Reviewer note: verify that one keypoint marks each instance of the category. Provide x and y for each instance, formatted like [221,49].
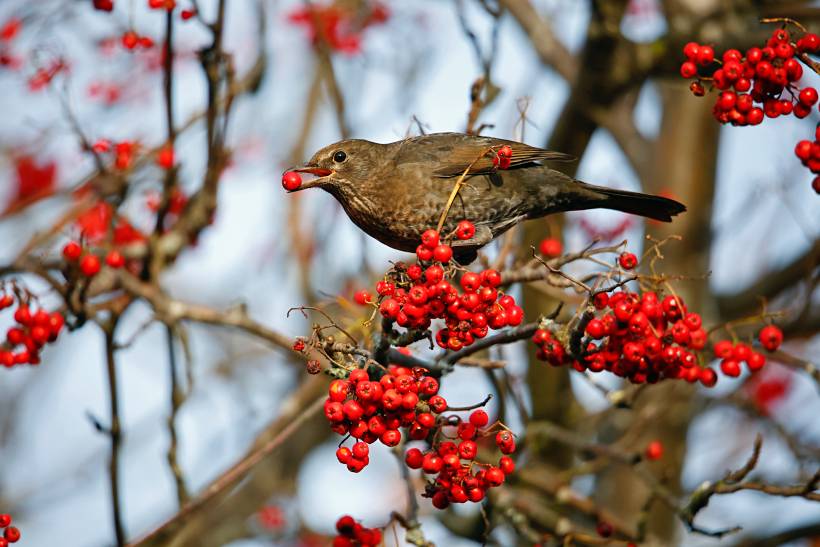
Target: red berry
[443,253]
[505,151]
[291,180]
[363,297]
[808,96]
[479,418]
[430,239]
[707,377]
[165,158]
[705,55]
[104,5]
[12,534]
[343,454]
[90,265]
[413,458]
[809,43]
[754,55]
[755,116]
[627,260]
[727,100]
[771,337]
[187,14]
[391,437]
[691,50]
[730,367]
[697,89]
[432,464]
[114,259]
[72,251]
[494,476]
[360,450]
[604,529]
[130,39]
[551,247]
[506,464]
[688,70]
[596,329]
[654,450]
[465,230]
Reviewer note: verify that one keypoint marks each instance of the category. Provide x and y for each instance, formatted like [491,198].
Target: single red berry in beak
[291,181]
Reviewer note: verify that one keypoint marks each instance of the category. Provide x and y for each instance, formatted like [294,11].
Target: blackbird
[396,191]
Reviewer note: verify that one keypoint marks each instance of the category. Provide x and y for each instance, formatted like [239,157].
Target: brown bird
[396,191]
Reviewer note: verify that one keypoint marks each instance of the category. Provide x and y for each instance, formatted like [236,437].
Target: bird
[394,192]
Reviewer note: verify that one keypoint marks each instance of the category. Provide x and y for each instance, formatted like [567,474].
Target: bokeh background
[627,115]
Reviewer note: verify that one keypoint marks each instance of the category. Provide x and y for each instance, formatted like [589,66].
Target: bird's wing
[478,153]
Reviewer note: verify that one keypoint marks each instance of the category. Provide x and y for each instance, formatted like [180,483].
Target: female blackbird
[396,191]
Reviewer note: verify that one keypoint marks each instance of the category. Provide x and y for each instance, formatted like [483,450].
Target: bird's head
[342,165]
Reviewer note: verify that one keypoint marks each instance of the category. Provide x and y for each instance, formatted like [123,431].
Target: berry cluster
[11,534]
[99,220]
[809,154]
[414,295]
[130,40]
[89,263]
[641,337]
[338,26]
[32,331]
[460,478]
[733,354]
[370,410]
[646,339]
[766,77]
[503,157]
[43,75]
[123,151]
[353,534]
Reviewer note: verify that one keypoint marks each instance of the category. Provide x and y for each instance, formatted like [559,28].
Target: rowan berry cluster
[30,333]
[646,339]
[370,410]
[131,40]
[123,152]
[89,263]
[11,534]
[459,477]
[809,154]
[338,26]
[765,76]
[353,534]
[414,295]
[733,354]
[641,337]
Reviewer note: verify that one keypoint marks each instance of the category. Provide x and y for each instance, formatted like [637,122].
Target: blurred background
[598,80]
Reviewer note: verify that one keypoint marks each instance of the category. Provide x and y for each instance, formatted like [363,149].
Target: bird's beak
[311,169]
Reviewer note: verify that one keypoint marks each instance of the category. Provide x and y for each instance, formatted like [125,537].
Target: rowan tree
[195,356]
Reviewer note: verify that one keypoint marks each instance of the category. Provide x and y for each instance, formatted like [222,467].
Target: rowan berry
[291,180]
[551,247]
[654,450]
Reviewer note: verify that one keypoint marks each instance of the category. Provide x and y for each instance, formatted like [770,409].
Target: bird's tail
[636,203]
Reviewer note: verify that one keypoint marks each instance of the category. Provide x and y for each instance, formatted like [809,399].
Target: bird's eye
[339,156]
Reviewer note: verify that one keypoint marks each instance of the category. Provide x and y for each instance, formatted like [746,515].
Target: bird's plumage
[396,191]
